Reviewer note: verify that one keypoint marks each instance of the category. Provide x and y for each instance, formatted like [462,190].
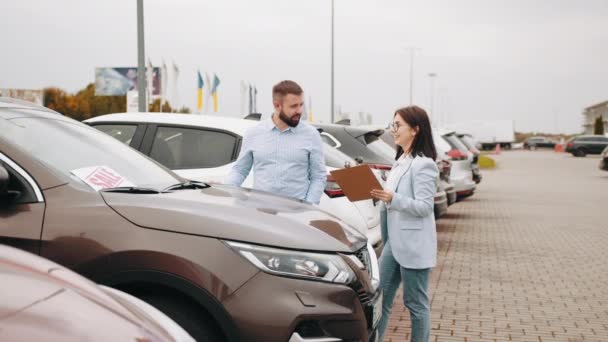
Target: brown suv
[227,264]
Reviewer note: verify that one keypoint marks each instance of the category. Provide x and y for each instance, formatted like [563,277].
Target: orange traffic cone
[559,148]
[497,150]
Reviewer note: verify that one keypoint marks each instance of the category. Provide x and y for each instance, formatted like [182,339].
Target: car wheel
[579,152]
[200,325]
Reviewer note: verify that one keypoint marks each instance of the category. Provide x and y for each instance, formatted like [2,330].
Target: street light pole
[412,50]
[141,59]
[333,108]
[432,76]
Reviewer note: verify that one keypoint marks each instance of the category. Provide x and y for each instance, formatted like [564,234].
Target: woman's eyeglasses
[395,126]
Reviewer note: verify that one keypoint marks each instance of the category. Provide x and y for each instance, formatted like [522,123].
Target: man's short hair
[283,88]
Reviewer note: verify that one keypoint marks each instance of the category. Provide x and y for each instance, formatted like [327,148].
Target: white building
[591,114]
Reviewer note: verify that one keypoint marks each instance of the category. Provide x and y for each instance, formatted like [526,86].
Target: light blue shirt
[288,163]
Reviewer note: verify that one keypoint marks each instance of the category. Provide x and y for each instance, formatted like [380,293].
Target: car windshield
[66,146]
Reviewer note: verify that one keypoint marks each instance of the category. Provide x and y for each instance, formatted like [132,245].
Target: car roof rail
[253,116]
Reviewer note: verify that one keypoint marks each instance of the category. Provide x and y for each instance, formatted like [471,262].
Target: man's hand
[385,196]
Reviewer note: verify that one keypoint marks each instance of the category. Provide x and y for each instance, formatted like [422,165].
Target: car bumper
[374,236]
[451,194]
[477,177]
[604,164]
[441,204]
[463,184]
[272,308]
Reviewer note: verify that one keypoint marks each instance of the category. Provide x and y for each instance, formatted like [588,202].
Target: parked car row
[135,203]
[225,263]
[578,146]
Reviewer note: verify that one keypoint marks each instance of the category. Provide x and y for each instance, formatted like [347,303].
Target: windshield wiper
[188,185]
[132,190]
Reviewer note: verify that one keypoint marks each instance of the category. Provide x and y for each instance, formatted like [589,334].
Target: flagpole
[141,58]
[332,62]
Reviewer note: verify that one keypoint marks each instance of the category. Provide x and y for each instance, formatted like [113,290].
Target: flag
[250,99]
[243,97]
[255,99]
[174,92]
[163,85]
[150,80]
[309,109]
[216,84]
[208,94]
[305,112]
[199,102]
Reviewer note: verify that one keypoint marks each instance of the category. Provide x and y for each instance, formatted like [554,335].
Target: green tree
[155,107]
[84,104]
[184,110]
[599,126]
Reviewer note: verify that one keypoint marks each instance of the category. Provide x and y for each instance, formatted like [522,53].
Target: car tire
[200,325]
[579,152]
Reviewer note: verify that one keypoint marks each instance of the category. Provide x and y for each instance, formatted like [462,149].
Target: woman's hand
[385,196]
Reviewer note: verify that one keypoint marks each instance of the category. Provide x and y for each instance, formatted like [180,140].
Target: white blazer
[408,222]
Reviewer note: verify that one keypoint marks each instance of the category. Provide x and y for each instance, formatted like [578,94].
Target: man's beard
[291,122]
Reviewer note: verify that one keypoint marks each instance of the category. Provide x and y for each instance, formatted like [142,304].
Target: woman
[408,223]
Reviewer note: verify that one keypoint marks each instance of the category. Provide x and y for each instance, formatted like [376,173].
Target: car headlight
[289,263]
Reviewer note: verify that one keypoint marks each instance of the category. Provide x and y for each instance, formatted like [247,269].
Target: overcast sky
[536,62]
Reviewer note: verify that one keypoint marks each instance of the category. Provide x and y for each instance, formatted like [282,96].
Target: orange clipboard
[356,182]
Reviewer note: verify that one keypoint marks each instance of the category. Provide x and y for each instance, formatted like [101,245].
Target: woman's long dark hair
[423,144]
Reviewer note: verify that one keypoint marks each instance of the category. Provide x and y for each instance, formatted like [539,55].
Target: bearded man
[286,154]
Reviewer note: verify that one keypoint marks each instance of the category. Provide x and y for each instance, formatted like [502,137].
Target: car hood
[238,214]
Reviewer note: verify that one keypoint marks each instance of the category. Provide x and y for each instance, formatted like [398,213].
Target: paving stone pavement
[525,258]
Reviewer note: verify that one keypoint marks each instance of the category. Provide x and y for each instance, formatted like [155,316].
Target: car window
[20,186]
[336,158]
[65,146]
[190,148]
[355,148]
[329,141]
[123,133]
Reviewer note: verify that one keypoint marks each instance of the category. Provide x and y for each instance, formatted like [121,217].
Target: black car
[586,144]
[532,143]
[604,160]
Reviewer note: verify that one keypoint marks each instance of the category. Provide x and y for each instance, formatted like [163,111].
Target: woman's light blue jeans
[415,295]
